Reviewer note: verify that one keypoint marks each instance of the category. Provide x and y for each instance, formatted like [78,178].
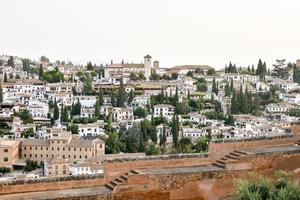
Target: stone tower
[298,63]
[156,65]
[147,65]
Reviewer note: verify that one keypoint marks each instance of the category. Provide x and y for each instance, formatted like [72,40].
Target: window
[5,150]
[5,159]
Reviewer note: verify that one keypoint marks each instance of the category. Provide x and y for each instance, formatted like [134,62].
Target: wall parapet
[228,140]
[161,157]
[51,179]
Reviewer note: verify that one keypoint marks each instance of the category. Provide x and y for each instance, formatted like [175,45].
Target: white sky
[174,32]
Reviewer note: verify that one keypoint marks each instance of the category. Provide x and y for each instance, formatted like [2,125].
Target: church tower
[147,65]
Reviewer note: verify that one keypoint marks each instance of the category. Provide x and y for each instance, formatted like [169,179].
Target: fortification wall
[112,169]
[117,168]
[50,185]
[221,148]
[209,186]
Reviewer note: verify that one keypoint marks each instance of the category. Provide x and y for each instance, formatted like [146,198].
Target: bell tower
[147,66]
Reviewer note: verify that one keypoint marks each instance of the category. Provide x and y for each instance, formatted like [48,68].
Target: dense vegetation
[261,188]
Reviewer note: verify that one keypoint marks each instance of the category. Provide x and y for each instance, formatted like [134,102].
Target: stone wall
[206,186]
[219,149]
[117,168]
[50,185]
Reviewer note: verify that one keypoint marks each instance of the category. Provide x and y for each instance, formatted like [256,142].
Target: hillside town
[62,119]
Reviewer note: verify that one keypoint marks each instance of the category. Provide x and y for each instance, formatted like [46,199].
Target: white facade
[38,109]
[94,129]
[120,114]
[164,110]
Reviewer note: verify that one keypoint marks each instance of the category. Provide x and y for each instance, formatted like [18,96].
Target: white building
[140,101]
[94,129]
[164,110]
[241,78]
[121,114]
[125,69]
[38,109]
[87,168]
[193,133]
[291,98]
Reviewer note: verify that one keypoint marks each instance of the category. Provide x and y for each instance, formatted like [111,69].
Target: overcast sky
[174,32]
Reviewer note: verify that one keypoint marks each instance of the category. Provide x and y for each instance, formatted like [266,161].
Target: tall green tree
[65,115]
[121,95]
[56,111]
[163,137]
[175,131]
[11,61]
[234,103]
[77,108]
[1,93]
[112,99]
[176,97]
[5,77]
[41,72]
[101,99]
[280,69]
[240,100]
[62,113]
[97,109]
[130,97]
[214,86]
[227,90]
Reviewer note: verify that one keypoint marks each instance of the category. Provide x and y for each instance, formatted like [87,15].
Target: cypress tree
[252,69]
[62,113]
[162,98]
[97,109]
[163,137]
[248,69]
[78,108]
[113,102]
[41,72]
[56,111]
[1,93]
[234,105]
[188,95]
[217,88]
[231,85]
[73,112]
[174,131]
[5,77]
[176,97]
[247,106]
[130,97]
[256,103]
[241,100]
[121,95]
[227,90]
[65,114]
[214,87]
[101,101]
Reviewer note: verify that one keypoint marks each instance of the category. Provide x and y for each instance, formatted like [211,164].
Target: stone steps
[241,152]
[231,157]
[121,180]
[218,165]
